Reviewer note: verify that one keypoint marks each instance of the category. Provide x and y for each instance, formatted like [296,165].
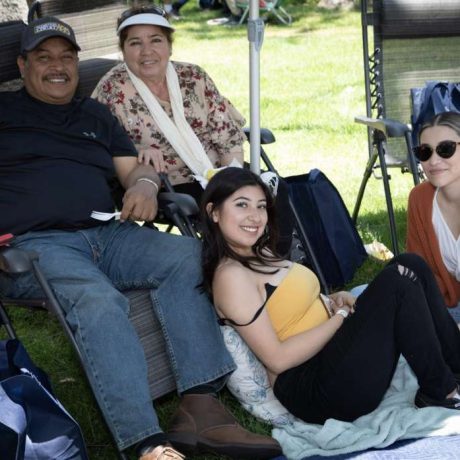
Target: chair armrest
[16,261]
[391,128]
[266,136]
[185,203]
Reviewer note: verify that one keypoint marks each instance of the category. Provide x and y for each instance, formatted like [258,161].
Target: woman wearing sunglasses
[433,226]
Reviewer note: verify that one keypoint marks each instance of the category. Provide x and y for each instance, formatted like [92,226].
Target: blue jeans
[86,270]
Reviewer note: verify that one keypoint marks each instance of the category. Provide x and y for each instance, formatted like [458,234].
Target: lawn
[311,90]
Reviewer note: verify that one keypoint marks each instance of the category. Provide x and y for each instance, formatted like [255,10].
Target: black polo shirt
[56,162]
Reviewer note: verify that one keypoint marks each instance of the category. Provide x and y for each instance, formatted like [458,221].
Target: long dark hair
[215,247]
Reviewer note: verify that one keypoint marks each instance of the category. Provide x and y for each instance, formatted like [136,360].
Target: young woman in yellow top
[322,365]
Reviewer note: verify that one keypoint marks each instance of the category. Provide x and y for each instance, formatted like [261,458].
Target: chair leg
[378,153]
[244,15]
[414,167]
[367,174]
[5,320]
[389,201]
[283,16]
[308,249]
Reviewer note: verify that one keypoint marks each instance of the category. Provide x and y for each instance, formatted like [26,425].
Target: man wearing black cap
[38,41]
[58,155]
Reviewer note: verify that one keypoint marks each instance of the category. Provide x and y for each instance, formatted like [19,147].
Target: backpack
[33,423]
[328,225]
[434,98]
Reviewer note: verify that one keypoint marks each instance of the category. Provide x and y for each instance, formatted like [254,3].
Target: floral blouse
[213,118]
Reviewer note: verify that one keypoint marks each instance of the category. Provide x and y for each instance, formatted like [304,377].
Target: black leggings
[401,312]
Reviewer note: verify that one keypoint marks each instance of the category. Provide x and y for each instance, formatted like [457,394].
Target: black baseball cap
[42,29]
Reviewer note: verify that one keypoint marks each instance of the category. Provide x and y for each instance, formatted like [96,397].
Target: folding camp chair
[267,8]
[405,44]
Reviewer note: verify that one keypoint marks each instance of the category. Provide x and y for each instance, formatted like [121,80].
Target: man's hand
[140,202]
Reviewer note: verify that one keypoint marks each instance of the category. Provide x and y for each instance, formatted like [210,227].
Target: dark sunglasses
[142,10]
[445,149]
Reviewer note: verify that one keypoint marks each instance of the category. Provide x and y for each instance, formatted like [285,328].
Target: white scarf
[178,132]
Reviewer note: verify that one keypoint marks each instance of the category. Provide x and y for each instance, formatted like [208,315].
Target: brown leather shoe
[162,453]
[202,424]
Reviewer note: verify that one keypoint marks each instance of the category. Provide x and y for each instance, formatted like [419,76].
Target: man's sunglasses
[445,149]
[142,10]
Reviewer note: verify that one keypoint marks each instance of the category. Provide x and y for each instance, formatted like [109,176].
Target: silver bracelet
[150,181]
[342,312]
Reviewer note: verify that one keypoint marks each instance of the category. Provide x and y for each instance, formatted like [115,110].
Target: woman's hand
[152,156]
[343,299]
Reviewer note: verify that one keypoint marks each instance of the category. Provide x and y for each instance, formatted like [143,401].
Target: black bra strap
[270,289]
[228,321]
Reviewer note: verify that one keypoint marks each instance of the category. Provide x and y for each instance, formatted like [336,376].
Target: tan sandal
[163,453]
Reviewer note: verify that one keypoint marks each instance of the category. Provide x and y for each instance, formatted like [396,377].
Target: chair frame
[272,7]
[379,128]
[413,27]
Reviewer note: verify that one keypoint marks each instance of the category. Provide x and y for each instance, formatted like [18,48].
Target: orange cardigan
[422,240]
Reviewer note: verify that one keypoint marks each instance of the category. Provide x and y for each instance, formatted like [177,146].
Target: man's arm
[141,183]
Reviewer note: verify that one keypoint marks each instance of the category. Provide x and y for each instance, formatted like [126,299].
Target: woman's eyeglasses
[142,10]
[445,149]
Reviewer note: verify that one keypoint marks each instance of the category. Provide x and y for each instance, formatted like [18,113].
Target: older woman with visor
[433,226]
[173,112]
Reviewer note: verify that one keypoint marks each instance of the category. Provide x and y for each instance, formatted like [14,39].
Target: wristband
[342,312]
[150,181]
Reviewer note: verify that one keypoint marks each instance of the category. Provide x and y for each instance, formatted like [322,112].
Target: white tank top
[449,246]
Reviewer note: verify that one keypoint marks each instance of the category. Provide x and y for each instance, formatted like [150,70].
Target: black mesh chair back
[10,39]
[415,41]
[94,23]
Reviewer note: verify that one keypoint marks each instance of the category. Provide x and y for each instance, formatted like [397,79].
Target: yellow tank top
[295,305]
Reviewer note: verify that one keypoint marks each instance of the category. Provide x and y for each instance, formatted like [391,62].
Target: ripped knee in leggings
[407,272]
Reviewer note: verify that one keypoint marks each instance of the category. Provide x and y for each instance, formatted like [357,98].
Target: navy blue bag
[330,230]
[33,423]
[435,97]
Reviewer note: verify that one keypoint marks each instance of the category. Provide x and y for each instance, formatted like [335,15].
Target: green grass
[311,89]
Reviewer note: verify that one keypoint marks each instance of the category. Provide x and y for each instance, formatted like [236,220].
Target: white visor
[145,18]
